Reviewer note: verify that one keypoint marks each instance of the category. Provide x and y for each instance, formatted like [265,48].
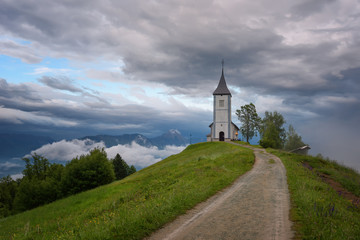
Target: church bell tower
[222,128]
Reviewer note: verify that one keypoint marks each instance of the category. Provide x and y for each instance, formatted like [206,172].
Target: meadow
[139,204]
[317,209]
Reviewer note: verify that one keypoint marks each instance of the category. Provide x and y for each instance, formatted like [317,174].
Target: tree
[132,169]
[250,121]
[87,172]
[36,168]
[293,140]
[8,188]
[121,168]
[41,183]
[272,130]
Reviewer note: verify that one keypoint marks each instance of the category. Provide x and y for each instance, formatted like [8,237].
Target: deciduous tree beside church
[250,121]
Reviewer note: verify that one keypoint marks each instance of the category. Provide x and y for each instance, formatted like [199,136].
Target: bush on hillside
[87,172]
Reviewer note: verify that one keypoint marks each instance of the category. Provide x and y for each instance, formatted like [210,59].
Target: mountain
[111,141]
[172,137]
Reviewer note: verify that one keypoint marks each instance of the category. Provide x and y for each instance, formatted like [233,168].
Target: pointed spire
[222,88]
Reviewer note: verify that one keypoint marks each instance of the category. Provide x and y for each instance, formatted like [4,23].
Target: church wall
[233,132]
[222,116]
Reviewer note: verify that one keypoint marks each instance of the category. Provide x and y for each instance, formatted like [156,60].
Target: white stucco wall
[222,116]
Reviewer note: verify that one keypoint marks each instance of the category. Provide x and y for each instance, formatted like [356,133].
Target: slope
[319,192]
[136,206]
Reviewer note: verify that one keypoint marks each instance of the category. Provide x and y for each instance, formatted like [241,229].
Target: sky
[75,68]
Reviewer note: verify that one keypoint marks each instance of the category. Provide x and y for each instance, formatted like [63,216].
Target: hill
[325,198]
[137,205]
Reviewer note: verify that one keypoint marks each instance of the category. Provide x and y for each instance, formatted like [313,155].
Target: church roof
[222,88]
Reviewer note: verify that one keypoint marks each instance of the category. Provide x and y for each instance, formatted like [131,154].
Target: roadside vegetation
[318,210]
[134,207]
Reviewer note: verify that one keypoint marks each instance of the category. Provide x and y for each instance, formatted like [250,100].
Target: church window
[221,103]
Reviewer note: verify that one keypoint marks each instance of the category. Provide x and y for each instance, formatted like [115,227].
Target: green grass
[139,204]
[246,143]
[317,210]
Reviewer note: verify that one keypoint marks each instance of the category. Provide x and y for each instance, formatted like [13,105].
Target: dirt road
[256,206]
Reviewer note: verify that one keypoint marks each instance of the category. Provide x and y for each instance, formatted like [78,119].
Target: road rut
[255,206]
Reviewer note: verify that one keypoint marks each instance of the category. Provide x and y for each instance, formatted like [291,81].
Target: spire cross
[222,63]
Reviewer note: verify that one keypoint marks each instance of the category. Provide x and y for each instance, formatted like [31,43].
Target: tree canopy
[88,171]
[272,130]
[250,121]
[293,140]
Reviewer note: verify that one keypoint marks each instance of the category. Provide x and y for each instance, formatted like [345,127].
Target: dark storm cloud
[176,44]
[91,116]
[61,83]
[308,7]
[19,92]
[64,83]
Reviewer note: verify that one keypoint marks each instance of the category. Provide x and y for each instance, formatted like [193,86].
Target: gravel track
[255,206]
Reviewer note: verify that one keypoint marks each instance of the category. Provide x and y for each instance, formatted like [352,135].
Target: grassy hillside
[134,207]
[320,211]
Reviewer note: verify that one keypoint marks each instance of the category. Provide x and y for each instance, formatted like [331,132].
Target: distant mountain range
[172,137]
[18,145]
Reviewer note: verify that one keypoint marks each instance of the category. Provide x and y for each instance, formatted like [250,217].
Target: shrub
[87,172]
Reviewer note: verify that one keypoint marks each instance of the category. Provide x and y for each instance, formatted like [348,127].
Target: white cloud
[17,176]
[46,70]
[133,154]
[67,150]
[7,165]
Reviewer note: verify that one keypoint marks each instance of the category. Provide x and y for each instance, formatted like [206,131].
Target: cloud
[8,165]
[133,154]
[67,150]
[80,110]
[23,52]
[61,83]
[46,70]
[22,117]
[137,155]
[17,176]
[335,138]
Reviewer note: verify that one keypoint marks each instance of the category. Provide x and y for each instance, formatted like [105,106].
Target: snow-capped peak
[174,131]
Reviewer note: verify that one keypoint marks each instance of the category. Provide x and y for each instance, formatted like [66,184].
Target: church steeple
[222,88]
[222,128]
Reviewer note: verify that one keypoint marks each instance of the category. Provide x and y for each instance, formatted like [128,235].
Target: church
[222,128]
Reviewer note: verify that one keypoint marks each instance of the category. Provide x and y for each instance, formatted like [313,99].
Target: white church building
[222,128]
